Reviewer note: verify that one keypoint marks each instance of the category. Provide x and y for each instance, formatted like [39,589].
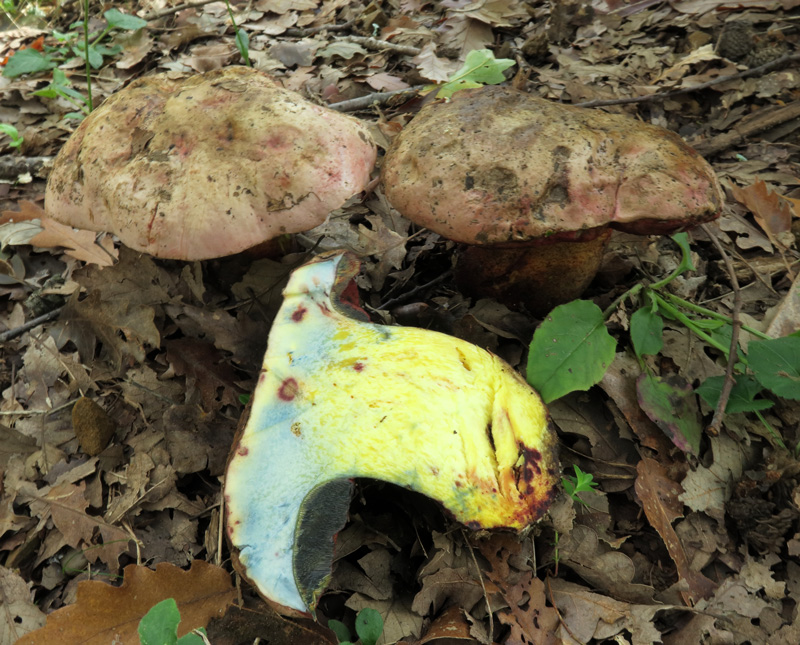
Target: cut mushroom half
[338,398]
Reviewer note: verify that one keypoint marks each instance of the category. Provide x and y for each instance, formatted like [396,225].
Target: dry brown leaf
[104,614]
[659,496]
[206,369]
[451,624]
[531,621]
[770,210]
[123,330]
[79,244]
[20,614]
[399,621]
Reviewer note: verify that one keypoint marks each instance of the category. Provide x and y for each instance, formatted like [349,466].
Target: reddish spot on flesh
[324,308]
[473,525]
[230,530]
[288,390]
[242,451]
[297,314]
[532,459]
[358,366]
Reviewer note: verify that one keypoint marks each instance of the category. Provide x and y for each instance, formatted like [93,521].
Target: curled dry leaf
[104,614]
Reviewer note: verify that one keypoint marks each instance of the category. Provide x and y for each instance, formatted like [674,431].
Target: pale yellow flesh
[341,398]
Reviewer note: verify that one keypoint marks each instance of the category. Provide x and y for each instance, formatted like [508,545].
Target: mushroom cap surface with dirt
[207,166]
[496,166]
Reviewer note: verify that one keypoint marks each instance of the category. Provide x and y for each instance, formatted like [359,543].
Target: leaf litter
[669,548]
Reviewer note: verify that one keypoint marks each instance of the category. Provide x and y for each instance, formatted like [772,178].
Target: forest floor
[669,548]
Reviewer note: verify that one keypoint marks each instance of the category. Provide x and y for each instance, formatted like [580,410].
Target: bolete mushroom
[207,166]
[514,177]
[339,397]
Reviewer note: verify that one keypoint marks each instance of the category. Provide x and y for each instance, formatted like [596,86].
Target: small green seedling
[62,86]
[572,349]
[581,483]
[480,68]
[12,133]
[369,627]
[160,627]
[242,39]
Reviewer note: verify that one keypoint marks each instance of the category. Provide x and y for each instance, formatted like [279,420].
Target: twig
[302,32]
[379,98]
[18,331]
[483,586]
[736,324]
[660,96]
[170,10]
[11,166]
[393,302]
[33,413]
[558,613]
[379,45]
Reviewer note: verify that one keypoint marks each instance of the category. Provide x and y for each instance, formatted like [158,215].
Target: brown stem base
[536,277]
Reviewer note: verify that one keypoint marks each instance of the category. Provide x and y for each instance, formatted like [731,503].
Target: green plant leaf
[571,350]
[95,57]
[647,329]
[340,629]
[686,264]
[27,61]
[480,68]
[160,625]
[742,397]
[243,45]
[776,365]
[118,20]
[670,404]
[369,626]
[11,132]
[191,639]
[582,482]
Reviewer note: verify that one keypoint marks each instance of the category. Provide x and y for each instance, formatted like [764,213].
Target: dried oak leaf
[104,614]
[123,329]
[659,496]
[20,614]
[772,212]
[206,369]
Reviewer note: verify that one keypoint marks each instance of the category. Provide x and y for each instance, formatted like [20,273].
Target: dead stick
[660,96]
[170,10]
[376,44]
[363,102]
[18,331]
[11,166]
[736,325]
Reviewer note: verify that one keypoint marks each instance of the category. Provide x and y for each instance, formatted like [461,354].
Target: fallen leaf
[770,210]
[79,244]
[104,614]
[20,614]
[659,496]
[206,369]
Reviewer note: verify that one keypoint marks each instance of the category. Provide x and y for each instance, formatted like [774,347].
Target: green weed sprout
[160,627]
[12,133]
[582,482]
[572,349]
[480,68]
[242,39]
[369,627]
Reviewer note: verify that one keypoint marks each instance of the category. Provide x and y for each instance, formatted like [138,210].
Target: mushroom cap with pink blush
[207,166]
[496,166]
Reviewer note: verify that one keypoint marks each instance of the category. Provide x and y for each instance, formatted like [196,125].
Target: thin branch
[379,45]
[34,413]
[483,585]
[18,331]
[379,98]
[736,324]
[11,166]
[171,10]
[660,96]
[309,31]
[403,297]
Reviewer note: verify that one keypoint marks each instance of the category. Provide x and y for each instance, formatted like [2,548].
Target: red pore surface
[496,165]
[208,165]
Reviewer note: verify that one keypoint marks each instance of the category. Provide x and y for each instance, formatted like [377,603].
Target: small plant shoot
[160,627]
[480,68]
[369,627]
[569,352]
[581,482]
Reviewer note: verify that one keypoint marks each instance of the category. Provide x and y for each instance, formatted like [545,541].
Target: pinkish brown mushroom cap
[207,166]
[498,166]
